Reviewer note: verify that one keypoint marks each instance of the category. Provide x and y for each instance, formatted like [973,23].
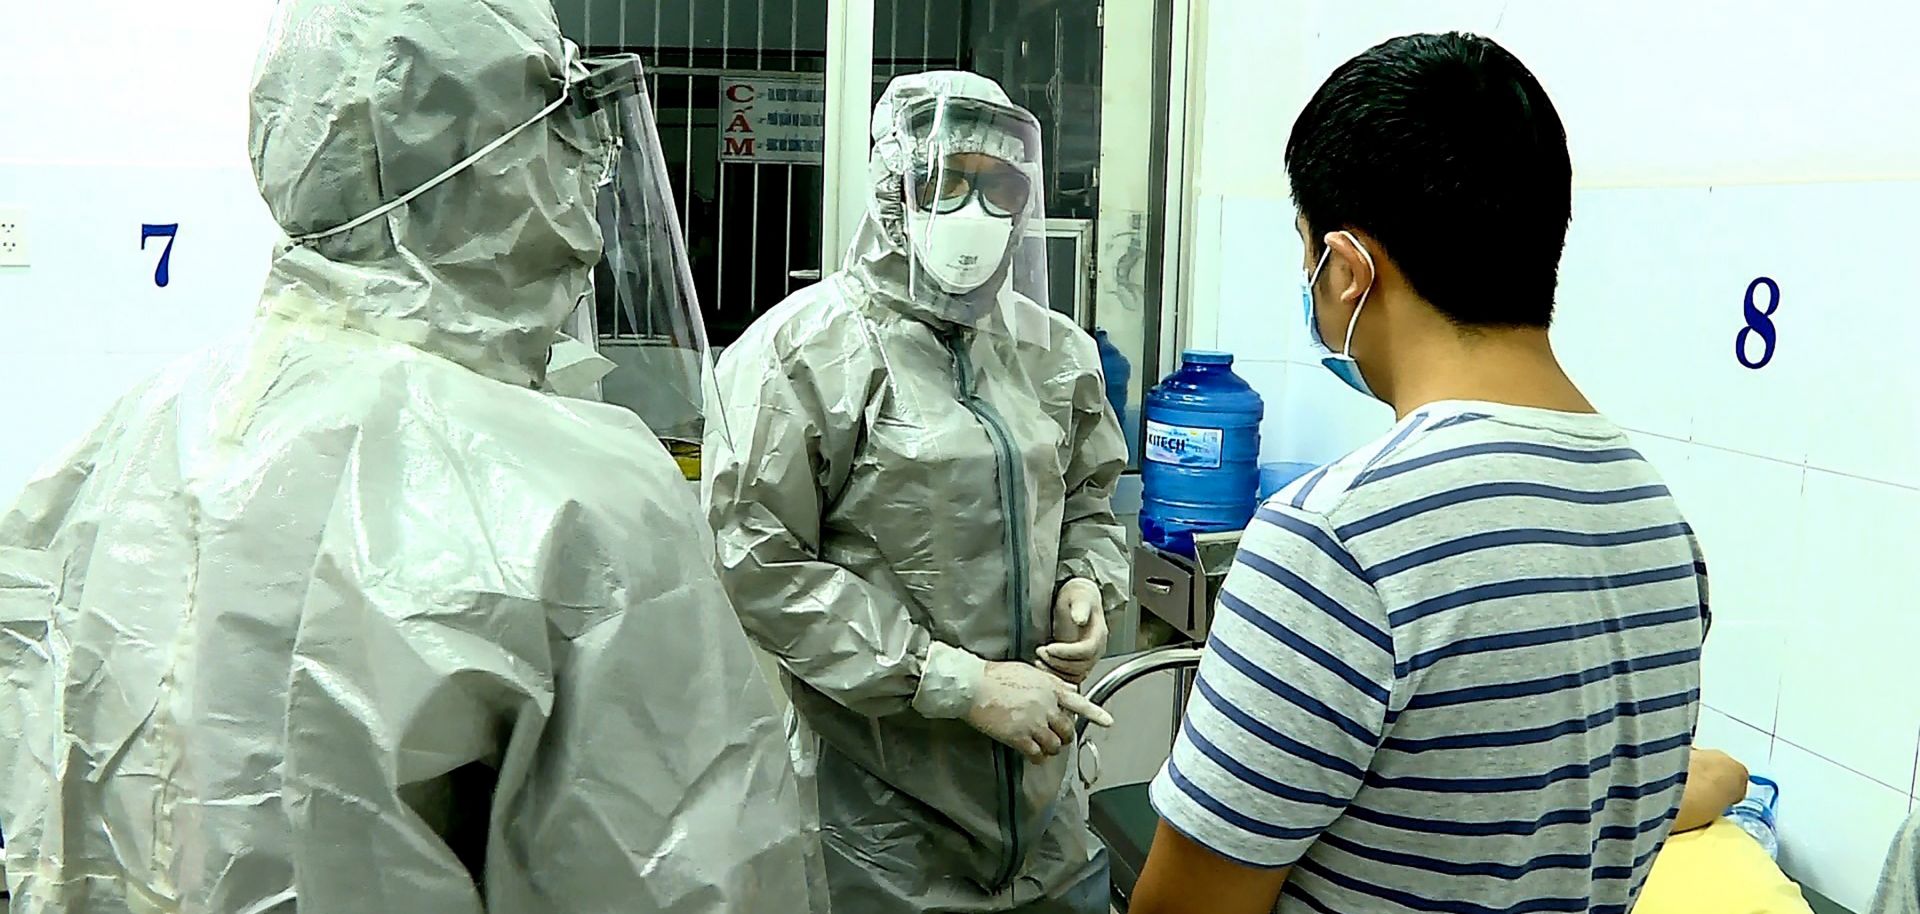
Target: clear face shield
[644,308]
[643,305]
[976,216]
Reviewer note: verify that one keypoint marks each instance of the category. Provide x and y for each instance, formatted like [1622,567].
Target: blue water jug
[1201,471]
[1118,373]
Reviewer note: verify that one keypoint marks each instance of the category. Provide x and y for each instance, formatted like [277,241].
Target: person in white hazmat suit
[913,515]
[348,616]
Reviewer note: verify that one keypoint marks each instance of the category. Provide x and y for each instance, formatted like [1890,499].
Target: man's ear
[1356,264]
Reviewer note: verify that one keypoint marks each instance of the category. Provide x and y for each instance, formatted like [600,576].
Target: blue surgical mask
[1341,363]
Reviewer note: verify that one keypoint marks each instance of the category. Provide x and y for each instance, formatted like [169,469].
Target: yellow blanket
[1718,870]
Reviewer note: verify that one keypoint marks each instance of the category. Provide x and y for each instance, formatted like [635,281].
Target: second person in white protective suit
[913,515]
[347,616]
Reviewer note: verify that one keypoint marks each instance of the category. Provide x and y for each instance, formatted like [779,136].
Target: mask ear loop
[1346,347]
[566,93]
[1313,278]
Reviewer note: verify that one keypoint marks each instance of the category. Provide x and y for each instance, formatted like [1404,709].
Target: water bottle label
[1199,448]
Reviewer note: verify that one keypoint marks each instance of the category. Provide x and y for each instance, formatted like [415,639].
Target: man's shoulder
[1334,491]
[1427,456]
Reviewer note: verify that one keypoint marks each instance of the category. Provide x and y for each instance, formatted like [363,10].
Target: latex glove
[1017,704]
[1079,631]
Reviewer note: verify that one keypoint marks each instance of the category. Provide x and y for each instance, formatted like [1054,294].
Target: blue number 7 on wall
[162,274]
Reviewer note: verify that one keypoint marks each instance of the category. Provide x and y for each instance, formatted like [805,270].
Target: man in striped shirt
[1456,671]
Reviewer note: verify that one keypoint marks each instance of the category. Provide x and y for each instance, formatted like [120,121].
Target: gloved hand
[1017,704]
[1079,631]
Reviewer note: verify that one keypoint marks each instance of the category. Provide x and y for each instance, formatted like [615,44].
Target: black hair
[1447,150]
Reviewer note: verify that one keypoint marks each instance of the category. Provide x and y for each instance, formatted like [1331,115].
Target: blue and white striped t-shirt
[1456,671]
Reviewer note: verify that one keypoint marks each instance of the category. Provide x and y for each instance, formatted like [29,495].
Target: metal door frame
[1080,232]
[849,109]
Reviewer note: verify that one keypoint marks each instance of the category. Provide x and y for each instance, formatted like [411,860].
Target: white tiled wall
[1834,835]
[1737,146]
[1799,476]
[114,114]
[1809,673]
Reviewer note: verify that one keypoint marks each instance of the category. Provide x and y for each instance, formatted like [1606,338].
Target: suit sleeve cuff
[947,682]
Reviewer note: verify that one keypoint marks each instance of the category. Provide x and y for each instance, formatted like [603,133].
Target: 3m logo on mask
[964,249]
[1180,446]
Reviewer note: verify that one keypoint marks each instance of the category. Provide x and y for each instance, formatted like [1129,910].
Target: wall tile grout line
[1723,712]
[1906,791]
[1800,464]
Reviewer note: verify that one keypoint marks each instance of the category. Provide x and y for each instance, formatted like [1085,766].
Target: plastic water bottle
[1201,469]
[1754,814]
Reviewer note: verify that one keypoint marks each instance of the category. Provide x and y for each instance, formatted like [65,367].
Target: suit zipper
[1014,539]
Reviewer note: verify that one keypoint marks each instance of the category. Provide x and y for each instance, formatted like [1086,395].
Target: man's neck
[1514,367]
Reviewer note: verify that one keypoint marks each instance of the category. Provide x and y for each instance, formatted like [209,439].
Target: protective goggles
[1001,187]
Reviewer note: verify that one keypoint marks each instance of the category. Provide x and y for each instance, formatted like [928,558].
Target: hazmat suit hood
[356,102]
[880,257]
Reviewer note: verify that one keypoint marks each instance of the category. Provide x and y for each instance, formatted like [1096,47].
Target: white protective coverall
[346,615]
[910,473]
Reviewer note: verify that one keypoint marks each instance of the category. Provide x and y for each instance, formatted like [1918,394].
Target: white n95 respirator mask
[962,249]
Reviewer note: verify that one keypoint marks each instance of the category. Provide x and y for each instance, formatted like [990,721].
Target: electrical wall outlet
[13,237]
